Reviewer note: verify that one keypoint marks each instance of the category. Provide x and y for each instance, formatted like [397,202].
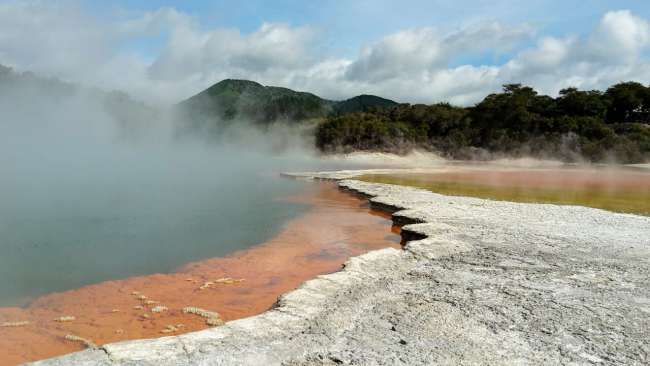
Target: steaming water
[81,204]
[134,215]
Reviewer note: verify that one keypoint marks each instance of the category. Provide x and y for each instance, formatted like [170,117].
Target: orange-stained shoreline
[337,226]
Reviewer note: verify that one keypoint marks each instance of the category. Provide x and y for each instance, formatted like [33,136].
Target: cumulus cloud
[414,65]
[152,23]
[273,46]
[620,36]
[426,64]
[403,54]
[420,51]
[613,52]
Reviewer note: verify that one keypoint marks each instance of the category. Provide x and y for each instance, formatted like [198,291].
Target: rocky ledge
[480,282]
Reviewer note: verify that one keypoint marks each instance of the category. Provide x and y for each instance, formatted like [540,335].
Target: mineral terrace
[479,282]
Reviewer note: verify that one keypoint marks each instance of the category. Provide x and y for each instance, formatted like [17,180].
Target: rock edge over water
[481,282]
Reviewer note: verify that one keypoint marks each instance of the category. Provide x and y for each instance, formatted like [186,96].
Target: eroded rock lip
[489,283]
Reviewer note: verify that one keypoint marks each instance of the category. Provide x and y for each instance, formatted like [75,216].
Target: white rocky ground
[414,159]
[480,282]
[640,166]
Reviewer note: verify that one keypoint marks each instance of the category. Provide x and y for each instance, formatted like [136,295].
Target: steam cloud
[95,186]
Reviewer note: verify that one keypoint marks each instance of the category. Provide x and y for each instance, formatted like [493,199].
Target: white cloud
[620,36]
[152,23]
[613,52]
[404,54]
[417,52]
[414,65]
[191,53]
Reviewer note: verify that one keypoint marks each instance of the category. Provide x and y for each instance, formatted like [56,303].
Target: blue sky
[348,24]
[418,50]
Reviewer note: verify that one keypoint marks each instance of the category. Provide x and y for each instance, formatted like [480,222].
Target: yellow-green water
[619,191]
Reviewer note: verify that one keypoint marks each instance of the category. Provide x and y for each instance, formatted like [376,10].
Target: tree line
[597,126]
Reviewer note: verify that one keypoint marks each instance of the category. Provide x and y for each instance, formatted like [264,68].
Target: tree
[574,102]
[628,101]
[505,114]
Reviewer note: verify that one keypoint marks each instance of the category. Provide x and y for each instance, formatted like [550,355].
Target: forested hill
[362,103]
[243,99]
[598,126]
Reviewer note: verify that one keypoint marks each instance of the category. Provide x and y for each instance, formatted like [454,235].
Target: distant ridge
[362,103]
[232,98]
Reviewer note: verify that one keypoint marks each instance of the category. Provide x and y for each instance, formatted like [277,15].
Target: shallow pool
[614,189]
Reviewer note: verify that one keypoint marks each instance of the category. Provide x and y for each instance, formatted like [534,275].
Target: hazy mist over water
[86,200]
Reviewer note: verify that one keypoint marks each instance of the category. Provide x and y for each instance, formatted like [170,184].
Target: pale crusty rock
[479,283]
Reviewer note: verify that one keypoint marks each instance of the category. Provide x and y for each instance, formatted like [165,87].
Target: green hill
[231,99]
[362,103]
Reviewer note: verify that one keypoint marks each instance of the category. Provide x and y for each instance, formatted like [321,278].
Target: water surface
[69,221]
[614,189]
[335,227]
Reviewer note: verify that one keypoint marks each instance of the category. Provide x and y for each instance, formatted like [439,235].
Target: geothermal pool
[81,232]
[614,189]
[332,227]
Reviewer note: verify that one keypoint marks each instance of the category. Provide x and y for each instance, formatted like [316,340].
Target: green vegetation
[243,100]
[577,124]
[362,103]
[249,100]
[619,199]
